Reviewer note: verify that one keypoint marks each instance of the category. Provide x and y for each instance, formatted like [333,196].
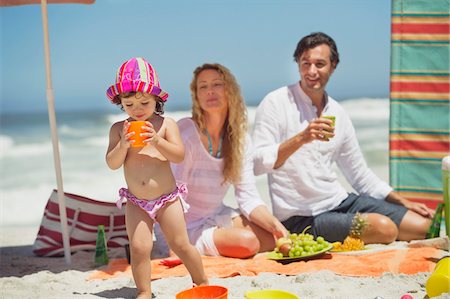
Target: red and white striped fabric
[83,217]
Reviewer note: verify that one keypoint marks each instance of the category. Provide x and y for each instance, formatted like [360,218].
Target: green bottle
[101,250]
[435,227]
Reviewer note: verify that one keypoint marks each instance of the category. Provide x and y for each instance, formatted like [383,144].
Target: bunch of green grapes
[298,245]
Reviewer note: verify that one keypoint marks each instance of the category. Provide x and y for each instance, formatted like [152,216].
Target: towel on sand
[396,261]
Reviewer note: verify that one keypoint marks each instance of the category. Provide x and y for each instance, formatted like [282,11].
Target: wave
[24,205]
[96,141]
[367,109]
[66,130]
[6,143]
[113,118]
[25,150]
[101,184]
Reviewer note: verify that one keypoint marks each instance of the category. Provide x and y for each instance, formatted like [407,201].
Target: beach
[24,275]
[27,155]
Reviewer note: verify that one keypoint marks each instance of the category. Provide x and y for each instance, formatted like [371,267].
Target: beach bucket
[269,294]
[204,292]
[439,281]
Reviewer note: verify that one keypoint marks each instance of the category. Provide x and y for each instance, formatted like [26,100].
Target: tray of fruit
[297,247]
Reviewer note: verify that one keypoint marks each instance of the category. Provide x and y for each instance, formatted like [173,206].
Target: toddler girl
[151,192]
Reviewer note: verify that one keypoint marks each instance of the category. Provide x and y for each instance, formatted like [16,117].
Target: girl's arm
[118,145]
[171,146]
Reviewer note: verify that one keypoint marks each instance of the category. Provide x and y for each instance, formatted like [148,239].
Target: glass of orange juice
[136,127]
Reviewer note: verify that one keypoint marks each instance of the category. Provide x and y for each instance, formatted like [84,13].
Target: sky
[255,39]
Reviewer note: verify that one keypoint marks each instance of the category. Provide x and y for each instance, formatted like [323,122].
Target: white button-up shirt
[306,184]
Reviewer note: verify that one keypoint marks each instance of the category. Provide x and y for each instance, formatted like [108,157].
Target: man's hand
[417,207]
[318,129]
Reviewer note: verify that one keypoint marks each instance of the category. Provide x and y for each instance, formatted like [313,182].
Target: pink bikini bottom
[152,206]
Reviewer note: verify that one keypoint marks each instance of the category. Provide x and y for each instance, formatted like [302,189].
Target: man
[296,146]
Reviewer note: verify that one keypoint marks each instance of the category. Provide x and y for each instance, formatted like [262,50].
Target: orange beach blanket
[396,261]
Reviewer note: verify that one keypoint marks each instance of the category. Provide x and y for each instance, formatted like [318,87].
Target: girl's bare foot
[144,295]
[204,282]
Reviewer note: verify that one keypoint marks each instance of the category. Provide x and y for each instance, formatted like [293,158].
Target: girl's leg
[140,234]
[173,225]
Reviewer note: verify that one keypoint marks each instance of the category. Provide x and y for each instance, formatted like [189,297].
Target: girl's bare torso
[147,172]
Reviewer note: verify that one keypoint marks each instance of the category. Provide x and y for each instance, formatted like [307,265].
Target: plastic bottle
[435,227]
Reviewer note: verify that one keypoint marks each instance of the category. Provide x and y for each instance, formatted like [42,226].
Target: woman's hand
[279,230]
[264,218]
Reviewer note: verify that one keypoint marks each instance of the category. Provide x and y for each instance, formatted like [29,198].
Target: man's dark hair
[316,39]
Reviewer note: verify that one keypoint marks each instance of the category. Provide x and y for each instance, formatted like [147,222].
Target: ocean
[28,173]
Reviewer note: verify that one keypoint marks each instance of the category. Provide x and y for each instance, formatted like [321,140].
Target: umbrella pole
[54,134]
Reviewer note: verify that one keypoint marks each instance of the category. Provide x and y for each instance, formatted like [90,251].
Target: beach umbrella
[51,111]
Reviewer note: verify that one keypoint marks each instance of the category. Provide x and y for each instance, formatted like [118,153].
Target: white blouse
[203,175]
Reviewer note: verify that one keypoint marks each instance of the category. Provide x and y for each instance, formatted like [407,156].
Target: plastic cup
[204,292]
[136,127]
[269,294]
[332,118]
[439,281]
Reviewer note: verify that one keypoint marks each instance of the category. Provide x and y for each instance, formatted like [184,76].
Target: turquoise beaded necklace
[219,149]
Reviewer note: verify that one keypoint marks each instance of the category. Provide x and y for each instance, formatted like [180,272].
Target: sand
[23,275]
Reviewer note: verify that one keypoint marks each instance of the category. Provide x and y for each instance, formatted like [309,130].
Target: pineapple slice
[353,240]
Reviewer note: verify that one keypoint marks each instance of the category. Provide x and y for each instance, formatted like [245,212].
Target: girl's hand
[153,137]
[125,141]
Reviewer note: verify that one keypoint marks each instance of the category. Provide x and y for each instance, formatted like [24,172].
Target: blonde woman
[218,155]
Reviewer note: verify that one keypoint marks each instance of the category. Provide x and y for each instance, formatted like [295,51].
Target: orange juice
[136,127]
